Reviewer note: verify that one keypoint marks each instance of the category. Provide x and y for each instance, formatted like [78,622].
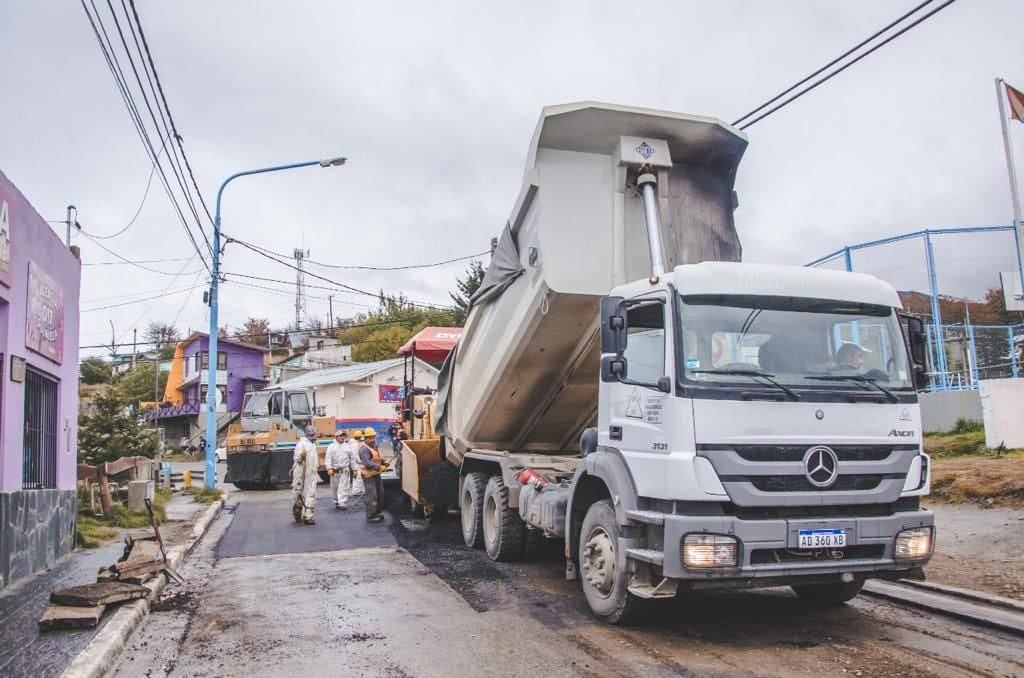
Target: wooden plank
[147,567]
[91,595]
[61,617]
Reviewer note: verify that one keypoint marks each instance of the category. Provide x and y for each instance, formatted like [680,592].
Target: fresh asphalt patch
[263,525]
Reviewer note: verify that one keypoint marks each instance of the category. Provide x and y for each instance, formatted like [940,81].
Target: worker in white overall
[305,477]
[342,467]
[358,486]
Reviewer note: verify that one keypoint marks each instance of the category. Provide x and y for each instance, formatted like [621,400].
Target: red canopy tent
[432,344]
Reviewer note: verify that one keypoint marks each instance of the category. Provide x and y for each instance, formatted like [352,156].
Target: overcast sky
[434,104]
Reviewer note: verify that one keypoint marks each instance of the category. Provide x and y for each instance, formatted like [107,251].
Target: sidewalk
[24,650]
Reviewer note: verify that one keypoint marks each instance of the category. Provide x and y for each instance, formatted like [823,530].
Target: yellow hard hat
[369,432]
[357,434]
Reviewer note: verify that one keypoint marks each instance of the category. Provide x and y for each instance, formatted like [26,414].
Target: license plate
[822,539]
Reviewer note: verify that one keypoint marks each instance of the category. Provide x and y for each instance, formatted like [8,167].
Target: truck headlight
[914,544]
[710,550]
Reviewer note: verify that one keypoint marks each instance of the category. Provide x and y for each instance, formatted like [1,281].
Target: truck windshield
[256,405]
[808,343]
[299,404]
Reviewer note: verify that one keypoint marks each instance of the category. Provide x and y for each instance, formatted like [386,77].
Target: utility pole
[300,302]
[211,372]
[330,310]
[135,342]
[71,208]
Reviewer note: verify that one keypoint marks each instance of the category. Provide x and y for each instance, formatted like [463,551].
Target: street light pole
[210,476]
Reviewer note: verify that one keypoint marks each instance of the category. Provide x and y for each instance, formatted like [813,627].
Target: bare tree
[161,334]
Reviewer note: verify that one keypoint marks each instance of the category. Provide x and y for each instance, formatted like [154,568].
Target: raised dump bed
[526,373]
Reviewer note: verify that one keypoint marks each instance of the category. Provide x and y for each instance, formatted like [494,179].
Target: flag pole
[1011,170]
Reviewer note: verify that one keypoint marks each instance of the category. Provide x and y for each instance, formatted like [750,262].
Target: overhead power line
[168,293]
[137,261]
[372,268]
[125,260]
[743,122]
[167,108]
[287,264]
[145,194]
[124,89]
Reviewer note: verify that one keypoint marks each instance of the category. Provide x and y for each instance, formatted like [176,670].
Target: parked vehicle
[677,419]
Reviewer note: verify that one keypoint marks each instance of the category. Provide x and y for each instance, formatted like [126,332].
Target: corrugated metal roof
[348,373]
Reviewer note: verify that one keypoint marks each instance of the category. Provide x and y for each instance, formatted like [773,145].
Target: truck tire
[471,503]
[603,568]
[504,531]
[828,594]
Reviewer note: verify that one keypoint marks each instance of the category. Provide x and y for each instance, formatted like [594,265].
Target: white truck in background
[677,419]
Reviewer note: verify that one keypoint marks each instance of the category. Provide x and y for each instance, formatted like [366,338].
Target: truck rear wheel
[603,568]
[504,530]
[471,505]
[829,594]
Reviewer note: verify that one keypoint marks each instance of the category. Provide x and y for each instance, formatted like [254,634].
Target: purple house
[39,294]
[240,369]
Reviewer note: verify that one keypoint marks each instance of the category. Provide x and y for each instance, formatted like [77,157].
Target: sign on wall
[44,317]
[389,394]
[5,241]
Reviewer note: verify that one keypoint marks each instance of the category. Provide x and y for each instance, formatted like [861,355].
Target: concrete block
[941,409]
[138,492]
[1001,401]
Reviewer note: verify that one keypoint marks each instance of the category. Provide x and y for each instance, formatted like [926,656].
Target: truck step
[649,517]
[647,556]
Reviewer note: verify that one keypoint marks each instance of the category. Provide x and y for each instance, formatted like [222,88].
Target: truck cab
[276,409]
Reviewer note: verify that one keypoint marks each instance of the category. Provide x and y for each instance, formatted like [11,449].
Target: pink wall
[32,239]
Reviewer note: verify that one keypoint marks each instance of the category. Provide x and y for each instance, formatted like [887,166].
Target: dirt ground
[987,480]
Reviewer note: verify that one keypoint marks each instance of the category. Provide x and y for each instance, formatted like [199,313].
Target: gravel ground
[979,548]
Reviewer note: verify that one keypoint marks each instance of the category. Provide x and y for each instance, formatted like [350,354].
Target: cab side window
[645,346]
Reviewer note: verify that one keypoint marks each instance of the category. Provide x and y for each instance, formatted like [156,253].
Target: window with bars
[39,454]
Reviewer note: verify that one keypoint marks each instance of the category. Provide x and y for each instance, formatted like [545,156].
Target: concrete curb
[978,596]
[101,654]
[948,604]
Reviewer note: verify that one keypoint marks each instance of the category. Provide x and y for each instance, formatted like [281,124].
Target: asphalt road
[405,598]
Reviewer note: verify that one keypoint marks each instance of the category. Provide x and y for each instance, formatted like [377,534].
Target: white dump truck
[678,419]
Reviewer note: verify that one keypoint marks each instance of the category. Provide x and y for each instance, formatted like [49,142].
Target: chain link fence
[952,279]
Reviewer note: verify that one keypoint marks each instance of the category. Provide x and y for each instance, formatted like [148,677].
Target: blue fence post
[848,258]
[1013,352]
[974,356]
[933,285]
[931,352]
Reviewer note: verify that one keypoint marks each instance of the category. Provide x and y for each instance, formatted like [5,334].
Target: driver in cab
[850,357]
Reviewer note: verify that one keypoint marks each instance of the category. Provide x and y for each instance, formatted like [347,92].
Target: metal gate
[39,458]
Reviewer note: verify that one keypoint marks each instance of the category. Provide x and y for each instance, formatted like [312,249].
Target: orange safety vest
[367,473]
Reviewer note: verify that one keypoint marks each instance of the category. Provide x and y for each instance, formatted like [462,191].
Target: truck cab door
[636,399]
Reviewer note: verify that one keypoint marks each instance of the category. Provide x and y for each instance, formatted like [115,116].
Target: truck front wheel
[829,594]
[504,530]
[603,568]
[471,505]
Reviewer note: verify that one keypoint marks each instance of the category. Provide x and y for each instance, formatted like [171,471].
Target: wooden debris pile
[83,606]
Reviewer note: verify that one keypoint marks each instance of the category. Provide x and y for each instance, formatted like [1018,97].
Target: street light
[210,477]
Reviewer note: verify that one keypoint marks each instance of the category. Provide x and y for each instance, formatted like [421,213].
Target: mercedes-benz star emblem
[821,465]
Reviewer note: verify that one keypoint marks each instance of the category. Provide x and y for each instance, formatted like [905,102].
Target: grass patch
[967,443]
[91,533]
[204,495]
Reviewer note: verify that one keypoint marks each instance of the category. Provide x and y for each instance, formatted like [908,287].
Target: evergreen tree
[95,370]
[465,288]
[111,430]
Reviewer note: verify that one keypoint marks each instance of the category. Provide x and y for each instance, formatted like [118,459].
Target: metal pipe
[1013,352]
[1018,227]
[933,286]
[647,183]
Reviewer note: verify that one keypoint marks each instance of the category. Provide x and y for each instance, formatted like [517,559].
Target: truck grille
[797,452]
[847,483]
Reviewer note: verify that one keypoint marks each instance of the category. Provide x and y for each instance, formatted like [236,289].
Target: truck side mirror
[613,368]
[613,325]
[920,379]
[917,340]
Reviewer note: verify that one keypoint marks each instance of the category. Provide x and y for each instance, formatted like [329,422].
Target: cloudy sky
[434,104]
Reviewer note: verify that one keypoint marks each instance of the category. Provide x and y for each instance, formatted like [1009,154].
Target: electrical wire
[170,118]
[139,301]
[137,261]
[145,194]
[371,268]
[129,261]
[315,275]
[839,70]
[113,64]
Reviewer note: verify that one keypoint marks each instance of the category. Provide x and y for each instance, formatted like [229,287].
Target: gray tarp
[502,272]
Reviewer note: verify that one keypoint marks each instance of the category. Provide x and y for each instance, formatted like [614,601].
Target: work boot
[309,521]
[375,519]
